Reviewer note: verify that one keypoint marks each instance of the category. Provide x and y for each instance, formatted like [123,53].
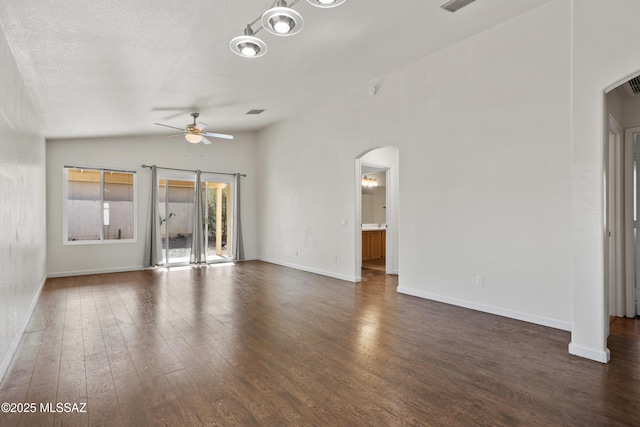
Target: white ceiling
[114,67]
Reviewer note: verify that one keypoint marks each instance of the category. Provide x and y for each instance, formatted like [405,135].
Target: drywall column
[597,66]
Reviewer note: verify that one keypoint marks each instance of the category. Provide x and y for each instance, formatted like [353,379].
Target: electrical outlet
[344,222]
[297,252]
[335,258]
[480,281]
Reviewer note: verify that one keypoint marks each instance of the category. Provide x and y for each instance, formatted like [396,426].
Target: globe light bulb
[249,49]
[282,25]
[193,138]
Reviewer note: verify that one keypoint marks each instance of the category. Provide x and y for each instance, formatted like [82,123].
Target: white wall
[483,134]
[614,107]
[130,153]
[22,207]
[605,53]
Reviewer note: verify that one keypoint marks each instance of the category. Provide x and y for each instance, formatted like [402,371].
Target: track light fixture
[280,20]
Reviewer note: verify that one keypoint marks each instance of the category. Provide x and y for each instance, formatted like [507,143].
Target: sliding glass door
[176,210]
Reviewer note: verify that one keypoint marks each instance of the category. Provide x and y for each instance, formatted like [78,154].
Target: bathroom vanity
[374,237]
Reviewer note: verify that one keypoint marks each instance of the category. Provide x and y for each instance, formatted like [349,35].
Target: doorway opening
[376,230]
[622,242]
[374,217]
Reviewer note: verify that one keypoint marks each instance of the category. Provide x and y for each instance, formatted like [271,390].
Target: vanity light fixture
[280,20]
[369,182]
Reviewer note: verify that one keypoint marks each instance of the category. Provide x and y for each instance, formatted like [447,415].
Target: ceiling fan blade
[205,141]
[201,126]
[175,134]
[218,135]
[167,126]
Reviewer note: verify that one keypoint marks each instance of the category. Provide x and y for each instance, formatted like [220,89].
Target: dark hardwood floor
[258,344]
[378,264]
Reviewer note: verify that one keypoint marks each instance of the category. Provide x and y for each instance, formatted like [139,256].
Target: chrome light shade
[282,20]
[248,46]
[326,3]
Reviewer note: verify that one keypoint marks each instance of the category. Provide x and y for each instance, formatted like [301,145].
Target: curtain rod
[189,170]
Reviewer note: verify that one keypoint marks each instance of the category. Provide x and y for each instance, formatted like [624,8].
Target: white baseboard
[353,279]
[6,362]
[98,271]
[602,356]
[538,320]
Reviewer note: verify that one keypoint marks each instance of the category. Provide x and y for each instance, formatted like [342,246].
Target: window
[99,205]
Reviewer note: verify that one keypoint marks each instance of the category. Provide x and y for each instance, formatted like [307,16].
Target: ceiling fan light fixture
[282,20]
[326,3]
[193,138]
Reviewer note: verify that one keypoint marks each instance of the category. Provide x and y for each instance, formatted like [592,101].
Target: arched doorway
[622,153]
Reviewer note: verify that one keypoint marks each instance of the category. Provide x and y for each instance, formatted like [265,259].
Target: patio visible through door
[176,208]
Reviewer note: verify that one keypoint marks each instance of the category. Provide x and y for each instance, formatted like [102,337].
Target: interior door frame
[392,203]
[614,214]
[388,214]
[632,245]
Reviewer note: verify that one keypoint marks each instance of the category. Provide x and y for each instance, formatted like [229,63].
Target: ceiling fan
[194,132]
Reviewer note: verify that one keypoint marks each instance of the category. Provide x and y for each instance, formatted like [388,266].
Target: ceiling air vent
[254,111]
[454,5]
[633,86]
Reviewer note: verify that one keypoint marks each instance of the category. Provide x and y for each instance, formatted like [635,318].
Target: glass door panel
[217,198]
[162,211]
[180,195]
[176,219]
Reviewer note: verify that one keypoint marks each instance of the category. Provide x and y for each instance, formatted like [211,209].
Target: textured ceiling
[114,67]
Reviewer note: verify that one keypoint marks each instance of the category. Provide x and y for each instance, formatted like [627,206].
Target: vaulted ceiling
[103,68]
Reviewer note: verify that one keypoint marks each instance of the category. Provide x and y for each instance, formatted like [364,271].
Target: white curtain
[237,249]
[153,245]
[198,252]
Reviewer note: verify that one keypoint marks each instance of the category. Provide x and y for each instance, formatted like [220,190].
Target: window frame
[65,201]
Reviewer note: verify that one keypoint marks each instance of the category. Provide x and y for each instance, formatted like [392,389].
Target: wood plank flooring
[259,344]
[378,264]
